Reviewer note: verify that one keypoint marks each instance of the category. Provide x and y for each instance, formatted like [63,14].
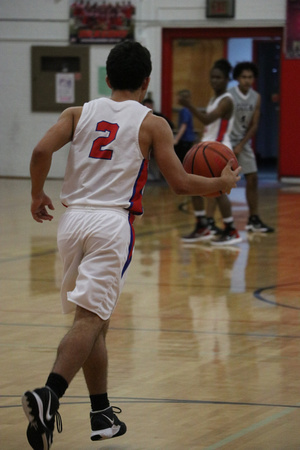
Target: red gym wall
[289,146]
[289,133]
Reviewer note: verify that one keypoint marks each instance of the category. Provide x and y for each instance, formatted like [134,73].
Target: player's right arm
[156,134]
[55,138]
[252,128]
[223,110]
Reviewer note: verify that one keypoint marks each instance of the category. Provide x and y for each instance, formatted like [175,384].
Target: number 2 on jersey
[110,130]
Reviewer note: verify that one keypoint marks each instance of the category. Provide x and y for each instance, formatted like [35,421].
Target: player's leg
[201,231]
[104,422]
[251,193]
[41,405]
[107,256]
[254,222]
[230,234]
[211,205]
[248,163]
[95,366]
[82,336]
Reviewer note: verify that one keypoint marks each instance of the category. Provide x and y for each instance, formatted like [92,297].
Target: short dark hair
[127,65]
[223,65]
[245,65]
[186,93]
[148,100]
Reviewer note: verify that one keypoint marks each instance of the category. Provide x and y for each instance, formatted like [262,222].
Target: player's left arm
[252,128]
[55,138]
[155,133]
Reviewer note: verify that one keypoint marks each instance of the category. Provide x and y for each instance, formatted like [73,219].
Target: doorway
[267,57]
[192,61]
[187,58]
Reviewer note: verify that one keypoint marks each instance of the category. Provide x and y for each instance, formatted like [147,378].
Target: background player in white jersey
[103,186]
[218,120]
[246,118]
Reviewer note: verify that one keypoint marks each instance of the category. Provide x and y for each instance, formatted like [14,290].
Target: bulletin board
[59,77]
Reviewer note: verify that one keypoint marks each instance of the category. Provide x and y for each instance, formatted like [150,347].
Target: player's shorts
[246,159]
[96,246]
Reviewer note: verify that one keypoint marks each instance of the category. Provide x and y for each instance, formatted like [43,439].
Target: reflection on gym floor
[204,343]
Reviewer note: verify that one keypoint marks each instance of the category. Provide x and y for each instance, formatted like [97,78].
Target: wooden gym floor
[204,345]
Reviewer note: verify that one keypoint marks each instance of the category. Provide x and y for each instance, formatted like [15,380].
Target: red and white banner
[100,22]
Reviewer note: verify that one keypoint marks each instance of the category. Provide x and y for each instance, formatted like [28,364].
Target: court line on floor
[257,294]
[161,330]
[83,399]
[250,429]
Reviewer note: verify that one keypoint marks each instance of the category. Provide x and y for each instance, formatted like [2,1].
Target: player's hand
[237,149]
[38,208]
[230,177]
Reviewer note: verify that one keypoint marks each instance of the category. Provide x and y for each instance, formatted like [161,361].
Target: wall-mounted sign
[64,88]
[220,8]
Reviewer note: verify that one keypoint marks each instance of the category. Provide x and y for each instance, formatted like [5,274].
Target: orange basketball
[209,159]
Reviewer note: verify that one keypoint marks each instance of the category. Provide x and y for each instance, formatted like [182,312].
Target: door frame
[169,34]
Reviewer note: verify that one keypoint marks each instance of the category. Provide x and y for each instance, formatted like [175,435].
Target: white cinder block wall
[25,23]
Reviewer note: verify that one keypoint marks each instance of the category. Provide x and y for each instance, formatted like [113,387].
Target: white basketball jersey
[244,107]
[105,165]
[220,129]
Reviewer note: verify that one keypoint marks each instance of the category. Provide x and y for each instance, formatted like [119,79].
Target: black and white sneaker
[229,236]
[199,234]
[214,230]
[256,225]
[105,424]
[40,407]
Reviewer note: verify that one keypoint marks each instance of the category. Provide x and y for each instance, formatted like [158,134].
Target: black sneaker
[256,225]
[199,234]
[229,236]
[216,231]
[105,424]
[40,407]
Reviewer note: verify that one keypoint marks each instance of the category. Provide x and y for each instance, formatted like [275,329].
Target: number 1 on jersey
[108,128]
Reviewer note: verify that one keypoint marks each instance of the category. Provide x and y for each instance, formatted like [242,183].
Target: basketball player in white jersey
[104,180]
[218,121]
[246,117]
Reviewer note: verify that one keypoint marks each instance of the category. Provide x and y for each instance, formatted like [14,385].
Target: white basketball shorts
[96,247]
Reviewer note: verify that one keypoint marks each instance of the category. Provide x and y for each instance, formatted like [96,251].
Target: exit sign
[219,8]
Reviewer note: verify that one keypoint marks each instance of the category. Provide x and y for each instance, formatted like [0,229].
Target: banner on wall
[292,29]
[100,22]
